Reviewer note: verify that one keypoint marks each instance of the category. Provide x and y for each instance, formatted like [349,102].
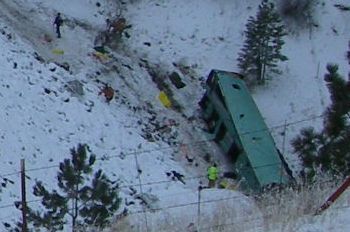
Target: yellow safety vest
[213,173]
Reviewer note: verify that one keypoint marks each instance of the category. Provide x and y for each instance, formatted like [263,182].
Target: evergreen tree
[338,112]
[262,47]
[329,150]
[86,203]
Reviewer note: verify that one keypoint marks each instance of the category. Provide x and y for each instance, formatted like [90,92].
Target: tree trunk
[73,216]
[263,67]
[75,206]
[263,61]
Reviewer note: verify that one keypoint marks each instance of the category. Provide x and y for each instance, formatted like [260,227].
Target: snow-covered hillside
[298,94]
[136,139]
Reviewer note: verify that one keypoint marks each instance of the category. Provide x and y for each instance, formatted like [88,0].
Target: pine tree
[336,125]
[86,203]
[329,150]
[337,113]
[262,47]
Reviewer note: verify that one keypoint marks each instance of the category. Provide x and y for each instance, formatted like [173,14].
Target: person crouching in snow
[108,92]
[58,23]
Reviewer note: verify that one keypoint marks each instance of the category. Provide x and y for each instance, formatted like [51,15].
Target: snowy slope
[177,34]
[41,119]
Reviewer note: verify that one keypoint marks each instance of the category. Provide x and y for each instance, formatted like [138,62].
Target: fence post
[140,184]
[24,201]
[283,147]
[199,209]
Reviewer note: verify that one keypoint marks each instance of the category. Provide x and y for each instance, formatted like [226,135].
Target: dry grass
[284,210]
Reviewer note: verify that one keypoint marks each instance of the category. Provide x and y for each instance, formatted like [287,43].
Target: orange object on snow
[118,26]
[108,92]
[47,38]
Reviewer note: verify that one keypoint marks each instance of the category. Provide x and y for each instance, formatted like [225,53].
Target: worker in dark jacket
[213,175]
[58,23]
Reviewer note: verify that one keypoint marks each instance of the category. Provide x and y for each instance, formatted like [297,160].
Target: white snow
[41,120]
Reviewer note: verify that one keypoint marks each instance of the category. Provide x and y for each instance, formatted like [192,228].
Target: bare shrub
[279,210]
[156,221]
[298,14]
[227,218]
[283,209]
[218,210]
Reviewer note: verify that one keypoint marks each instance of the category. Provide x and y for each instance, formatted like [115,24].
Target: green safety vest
[213,173]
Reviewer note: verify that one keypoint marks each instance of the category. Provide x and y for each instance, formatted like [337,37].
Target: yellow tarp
[225,184]
[164,99]
[101,56]
[58,51]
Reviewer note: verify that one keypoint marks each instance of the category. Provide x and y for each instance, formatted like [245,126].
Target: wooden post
[334,196]
[24,201]
[199,209]
[139,171]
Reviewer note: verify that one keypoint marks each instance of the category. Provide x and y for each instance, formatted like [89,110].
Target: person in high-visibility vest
[213,174]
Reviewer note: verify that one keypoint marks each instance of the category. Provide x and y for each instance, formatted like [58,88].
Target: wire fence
[175,145]
[205,226]
[198,204]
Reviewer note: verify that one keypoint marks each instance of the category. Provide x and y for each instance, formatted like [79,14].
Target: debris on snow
[174,175]
[75,87]
[149,200]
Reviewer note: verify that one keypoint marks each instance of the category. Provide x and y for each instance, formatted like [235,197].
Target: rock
[39,58]
[176,80]
[64,65]
[75,87]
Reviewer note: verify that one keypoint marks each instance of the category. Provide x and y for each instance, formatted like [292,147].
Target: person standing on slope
[213,174]
[58,23]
